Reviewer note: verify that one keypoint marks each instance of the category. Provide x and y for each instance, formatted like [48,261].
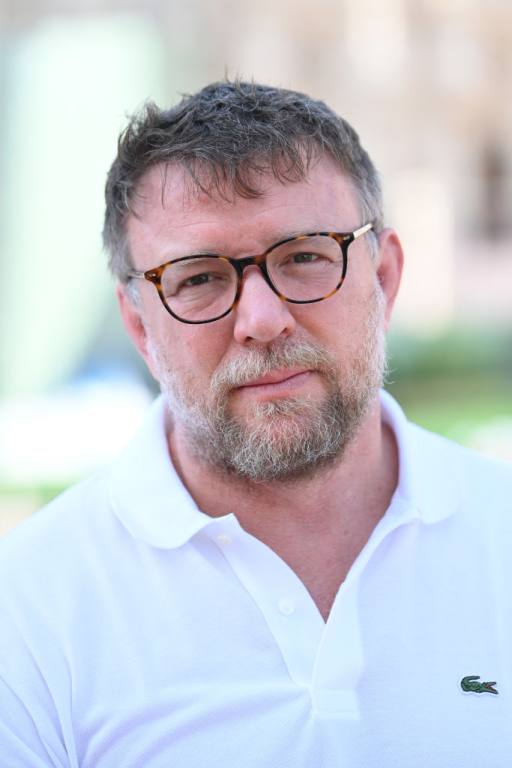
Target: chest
[322,562]
[391,701]
[221,651]
[322,578]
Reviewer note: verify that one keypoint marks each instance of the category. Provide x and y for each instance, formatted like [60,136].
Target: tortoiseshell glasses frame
[343,239]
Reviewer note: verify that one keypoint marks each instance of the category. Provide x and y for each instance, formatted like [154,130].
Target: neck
[319,523]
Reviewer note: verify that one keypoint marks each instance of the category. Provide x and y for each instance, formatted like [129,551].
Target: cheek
[326,322]
[339,324]
[197,351]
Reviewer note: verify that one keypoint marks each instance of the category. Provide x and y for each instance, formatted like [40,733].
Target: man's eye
[305,258]
[206,281]
[202,279]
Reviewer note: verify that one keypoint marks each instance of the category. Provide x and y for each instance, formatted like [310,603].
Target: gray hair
[225,136]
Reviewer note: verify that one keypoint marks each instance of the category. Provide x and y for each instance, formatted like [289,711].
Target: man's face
[273,390]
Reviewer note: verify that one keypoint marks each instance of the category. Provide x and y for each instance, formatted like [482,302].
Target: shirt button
[287,607]
[223,538]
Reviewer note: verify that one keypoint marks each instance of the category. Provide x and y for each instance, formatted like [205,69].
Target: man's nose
[260,314]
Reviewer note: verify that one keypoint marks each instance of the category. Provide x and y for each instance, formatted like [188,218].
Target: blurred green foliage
[453,384]
[458,352]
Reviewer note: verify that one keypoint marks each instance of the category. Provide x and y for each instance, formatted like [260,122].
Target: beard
[288,438]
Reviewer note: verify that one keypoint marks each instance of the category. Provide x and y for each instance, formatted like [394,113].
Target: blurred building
[427,84]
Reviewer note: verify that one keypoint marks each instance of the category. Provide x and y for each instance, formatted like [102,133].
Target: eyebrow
[214,252]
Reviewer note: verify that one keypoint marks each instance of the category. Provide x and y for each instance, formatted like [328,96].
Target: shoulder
[442,476]
[478,471]
[458,479]
[54,536]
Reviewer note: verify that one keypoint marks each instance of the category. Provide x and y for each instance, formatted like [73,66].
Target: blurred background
[428,85]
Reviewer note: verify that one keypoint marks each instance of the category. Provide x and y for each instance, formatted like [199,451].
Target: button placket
[340,660]
[285,604]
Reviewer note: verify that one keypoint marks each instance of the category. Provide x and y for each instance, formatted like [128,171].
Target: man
[280,570]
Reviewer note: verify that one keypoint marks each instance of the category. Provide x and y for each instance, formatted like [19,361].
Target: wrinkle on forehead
[169,205]
[196,183]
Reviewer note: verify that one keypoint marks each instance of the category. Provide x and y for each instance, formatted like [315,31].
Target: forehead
[171,216]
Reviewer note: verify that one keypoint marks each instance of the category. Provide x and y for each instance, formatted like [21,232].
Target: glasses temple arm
[362,230]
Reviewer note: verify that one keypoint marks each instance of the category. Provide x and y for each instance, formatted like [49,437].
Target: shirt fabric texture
[136,631]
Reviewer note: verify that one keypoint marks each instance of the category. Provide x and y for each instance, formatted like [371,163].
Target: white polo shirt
[137,632]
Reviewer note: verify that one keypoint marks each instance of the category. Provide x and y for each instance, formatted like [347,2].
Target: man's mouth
[287,378]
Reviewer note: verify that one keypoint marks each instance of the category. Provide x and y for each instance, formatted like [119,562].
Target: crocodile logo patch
[470,684]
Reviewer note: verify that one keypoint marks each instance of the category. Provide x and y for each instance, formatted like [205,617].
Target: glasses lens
[200,288]
[307,268]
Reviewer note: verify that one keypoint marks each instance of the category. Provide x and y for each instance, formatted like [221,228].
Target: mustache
[261,361]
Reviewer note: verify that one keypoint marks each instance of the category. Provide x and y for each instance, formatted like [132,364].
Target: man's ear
[134,324]
[390,261]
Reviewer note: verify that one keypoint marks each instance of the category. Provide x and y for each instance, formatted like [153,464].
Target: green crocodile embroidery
[470,683]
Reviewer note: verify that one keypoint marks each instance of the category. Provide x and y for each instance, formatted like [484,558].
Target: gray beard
[288,438]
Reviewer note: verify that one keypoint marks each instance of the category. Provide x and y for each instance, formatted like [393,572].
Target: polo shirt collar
[152,503]
[145,491]
[430,482]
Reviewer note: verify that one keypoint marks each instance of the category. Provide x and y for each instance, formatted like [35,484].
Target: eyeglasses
[301,270]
